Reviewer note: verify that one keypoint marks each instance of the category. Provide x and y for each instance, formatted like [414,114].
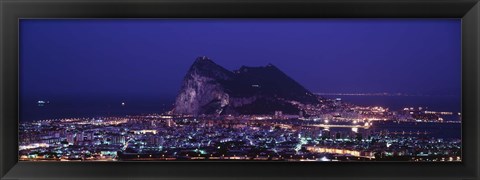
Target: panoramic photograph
[320,90]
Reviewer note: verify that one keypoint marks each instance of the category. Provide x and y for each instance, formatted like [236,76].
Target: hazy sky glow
[149,58]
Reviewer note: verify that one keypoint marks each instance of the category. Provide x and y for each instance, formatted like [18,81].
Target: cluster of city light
[354,153]
[378,109]
[145,131]
[261,117]
[315,128]
[435,112]
[33,146]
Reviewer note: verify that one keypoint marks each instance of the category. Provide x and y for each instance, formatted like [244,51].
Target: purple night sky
[148,58]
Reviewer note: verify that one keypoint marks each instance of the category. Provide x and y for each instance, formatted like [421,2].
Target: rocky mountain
[208,88]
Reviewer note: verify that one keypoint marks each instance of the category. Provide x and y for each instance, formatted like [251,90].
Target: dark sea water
[434,103]
[395,103]
[416,129]
[91,107]
[440,130]
[101,106]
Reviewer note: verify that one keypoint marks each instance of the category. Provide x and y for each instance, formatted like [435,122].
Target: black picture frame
[12,10]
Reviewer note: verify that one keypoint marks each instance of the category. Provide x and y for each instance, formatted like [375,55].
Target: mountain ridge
[208,88]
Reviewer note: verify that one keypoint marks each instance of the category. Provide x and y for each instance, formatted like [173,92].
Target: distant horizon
[315,92]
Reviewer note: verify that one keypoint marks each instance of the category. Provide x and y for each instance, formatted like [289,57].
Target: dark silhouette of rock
[211,89]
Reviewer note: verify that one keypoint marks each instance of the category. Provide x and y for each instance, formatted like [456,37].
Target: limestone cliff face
[201,91]
[211,89]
